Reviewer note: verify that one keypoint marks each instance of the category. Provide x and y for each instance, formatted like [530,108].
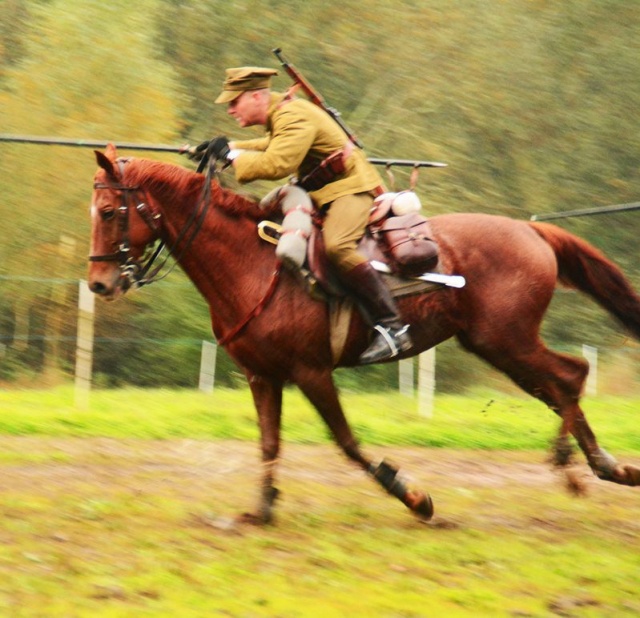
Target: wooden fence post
[426,382]
[84,345]
[591,354]
[207,367]
[405,377]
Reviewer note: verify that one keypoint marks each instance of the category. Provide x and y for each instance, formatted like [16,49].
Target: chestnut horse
[277,333]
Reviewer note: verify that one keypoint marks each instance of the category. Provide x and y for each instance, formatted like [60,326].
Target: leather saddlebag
[406,241]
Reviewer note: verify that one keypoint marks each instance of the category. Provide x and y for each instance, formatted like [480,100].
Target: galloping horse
[277,333]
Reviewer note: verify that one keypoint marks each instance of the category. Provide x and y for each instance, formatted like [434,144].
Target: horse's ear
[111,151]
[105,163]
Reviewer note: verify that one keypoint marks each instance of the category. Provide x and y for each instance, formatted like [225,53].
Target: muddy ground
[193,469]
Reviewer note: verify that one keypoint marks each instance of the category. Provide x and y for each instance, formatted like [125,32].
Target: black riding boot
[392,335]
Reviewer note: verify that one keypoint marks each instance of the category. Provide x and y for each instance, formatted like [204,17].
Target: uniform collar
[277,99]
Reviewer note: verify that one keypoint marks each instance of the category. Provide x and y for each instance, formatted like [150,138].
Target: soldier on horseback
[304,140]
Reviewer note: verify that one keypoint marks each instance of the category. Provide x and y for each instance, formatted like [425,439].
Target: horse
[278,333]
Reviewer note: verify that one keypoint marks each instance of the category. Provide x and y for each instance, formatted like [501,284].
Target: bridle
[138,272]
[131,269]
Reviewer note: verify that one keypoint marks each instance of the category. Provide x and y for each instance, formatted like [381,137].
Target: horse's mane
[179,183]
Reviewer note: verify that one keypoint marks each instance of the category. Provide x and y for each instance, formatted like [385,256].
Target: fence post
[207,366]
[84,345]
[591,354]
[426,382]
[405,377]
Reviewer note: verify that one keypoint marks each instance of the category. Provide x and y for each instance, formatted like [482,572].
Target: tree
[85,69]
[532,104]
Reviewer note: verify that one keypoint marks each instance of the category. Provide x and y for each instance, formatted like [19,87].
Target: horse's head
[121,228]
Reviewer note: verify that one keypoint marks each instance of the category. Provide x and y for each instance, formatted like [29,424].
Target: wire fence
[41,342]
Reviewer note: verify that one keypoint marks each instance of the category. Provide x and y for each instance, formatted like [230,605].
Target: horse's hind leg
[562,393]
[558,380]
[604,466]
[318,387]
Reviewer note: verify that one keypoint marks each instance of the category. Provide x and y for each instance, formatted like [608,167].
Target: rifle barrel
[315,97]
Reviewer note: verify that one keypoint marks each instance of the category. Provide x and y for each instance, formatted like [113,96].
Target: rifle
[315,96]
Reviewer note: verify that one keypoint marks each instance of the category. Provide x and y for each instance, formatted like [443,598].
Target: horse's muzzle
[110,290]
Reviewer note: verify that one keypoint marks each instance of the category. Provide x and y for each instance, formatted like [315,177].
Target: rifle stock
[314,96]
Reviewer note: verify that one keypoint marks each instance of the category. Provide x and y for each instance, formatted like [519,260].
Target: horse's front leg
[267,397]
[319,388]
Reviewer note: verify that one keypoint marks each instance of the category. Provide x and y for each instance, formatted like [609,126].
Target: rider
[299,136]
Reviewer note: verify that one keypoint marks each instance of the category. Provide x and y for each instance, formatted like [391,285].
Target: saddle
[398,241]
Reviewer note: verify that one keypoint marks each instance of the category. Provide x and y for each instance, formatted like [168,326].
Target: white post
[405,377]
[591,354]
[84,345]
[207,366]
[426,382]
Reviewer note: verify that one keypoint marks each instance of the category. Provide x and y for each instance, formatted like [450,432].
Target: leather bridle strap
[121,255]
[257,310]
[187,233]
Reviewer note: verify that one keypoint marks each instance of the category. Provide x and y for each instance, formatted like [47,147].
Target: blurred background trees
[533,104]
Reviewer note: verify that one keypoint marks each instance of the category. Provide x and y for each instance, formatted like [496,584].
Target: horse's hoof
[605,467]
[623,475]
[264,514]
[562,452]
[632,474]
[421,504]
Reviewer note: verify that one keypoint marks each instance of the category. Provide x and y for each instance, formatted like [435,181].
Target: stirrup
[387,345]
[386,335]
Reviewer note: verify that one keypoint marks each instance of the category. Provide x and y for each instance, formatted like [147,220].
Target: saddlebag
[407,242]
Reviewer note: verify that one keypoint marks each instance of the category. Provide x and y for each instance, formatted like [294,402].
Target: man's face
[249,108]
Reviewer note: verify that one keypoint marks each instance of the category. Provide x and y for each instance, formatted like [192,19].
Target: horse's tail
[585,268]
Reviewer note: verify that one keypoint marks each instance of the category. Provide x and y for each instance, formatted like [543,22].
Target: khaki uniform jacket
[300,135]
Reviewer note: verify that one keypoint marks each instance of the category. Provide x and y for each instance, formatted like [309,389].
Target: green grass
[479,421]
[139,547]
[115,511]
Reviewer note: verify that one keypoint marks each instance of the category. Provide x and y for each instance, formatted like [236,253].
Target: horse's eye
[107,215]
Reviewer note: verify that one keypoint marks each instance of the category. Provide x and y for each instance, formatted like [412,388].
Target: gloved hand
[219,148]
[196,154]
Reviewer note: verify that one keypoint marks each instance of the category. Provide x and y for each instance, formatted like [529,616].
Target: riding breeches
[343,227]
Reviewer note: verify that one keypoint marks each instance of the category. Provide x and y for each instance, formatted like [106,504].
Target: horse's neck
[224,258]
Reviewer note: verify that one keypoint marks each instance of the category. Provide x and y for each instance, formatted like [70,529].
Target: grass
[120,510]
[484,420]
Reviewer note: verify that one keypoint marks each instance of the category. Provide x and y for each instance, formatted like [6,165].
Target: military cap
[241,79]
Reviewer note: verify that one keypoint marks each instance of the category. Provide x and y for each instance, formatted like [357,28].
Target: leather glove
[196,154]
[219,149]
